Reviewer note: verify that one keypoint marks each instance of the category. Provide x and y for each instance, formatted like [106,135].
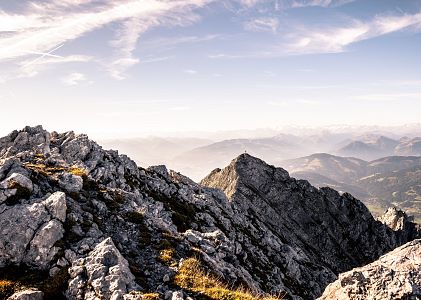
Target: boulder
[396,275]
[103,274]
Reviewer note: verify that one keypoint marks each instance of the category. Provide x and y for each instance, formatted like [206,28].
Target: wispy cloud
[74,78]
[336,39]
[262,24]
[287,4]
[148,60]
[321,3]
[190,72]
[31,67]
[43,26]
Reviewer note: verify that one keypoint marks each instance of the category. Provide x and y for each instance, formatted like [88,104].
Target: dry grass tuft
[192,277]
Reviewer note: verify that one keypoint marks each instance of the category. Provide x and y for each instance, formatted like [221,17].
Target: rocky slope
[78,222]
[394,276]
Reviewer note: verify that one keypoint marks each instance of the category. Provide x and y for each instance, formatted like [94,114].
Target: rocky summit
[80,222]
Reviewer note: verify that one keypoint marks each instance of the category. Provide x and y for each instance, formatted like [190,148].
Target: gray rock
[396,275]
[178,295]
[57,206]
[17,179]
[28,232]
[41,248]
[250,223]
[27,295]
[104,274]
[71,183]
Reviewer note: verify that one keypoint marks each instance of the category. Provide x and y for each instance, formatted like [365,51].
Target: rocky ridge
[79,222]
[398,271]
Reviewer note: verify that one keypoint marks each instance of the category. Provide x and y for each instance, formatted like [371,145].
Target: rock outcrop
[395,275]
[103,274]
[89,223]
[29,231]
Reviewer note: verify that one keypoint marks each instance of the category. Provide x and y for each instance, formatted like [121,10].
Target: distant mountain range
[373,147]
[79,222]
[195,157]
[394,180]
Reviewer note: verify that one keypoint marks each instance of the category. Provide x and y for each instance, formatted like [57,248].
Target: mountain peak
[244,169]
[74,205]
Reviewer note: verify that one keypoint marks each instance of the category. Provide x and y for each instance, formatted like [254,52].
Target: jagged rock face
[103,274]
[29,231]
[395,275]
[333,232]
[397,220]
[68,205]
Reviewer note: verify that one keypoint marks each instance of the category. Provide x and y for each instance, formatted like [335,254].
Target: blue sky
[126,67]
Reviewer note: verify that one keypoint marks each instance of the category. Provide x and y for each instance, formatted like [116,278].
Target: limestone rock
[17,179]
[103,274]
[41,248]
[27,295]
[124,228]
[71,183]
[396,275]
[28,232]
[56,205]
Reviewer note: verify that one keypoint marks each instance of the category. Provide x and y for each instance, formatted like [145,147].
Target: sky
[115,68]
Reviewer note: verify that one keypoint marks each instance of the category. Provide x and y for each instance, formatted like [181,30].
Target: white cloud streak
[262,24]
[45,26]
[74,79]
[336,39]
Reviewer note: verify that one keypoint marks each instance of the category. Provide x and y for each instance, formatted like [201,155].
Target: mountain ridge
[78,204]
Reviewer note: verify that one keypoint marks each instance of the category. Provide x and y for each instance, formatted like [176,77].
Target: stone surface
[71,183]
[103,274]
[18,179]
[27,295]
[28,232]
[396,275]
[122,228]
[56,205]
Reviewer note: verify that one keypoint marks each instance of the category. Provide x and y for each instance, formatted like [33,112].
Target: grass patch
[150,296]
[192,277]
[147,296]
[166,255]
[44,169]
[77,171]
[7,288]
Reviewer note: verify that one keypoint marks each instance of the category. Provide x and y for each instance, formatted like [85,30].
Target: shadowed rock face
[335,232]
[395,275]
[119,231]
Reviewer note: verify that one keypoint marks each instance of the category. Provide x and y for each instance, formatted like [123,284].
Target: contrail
[44,54]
